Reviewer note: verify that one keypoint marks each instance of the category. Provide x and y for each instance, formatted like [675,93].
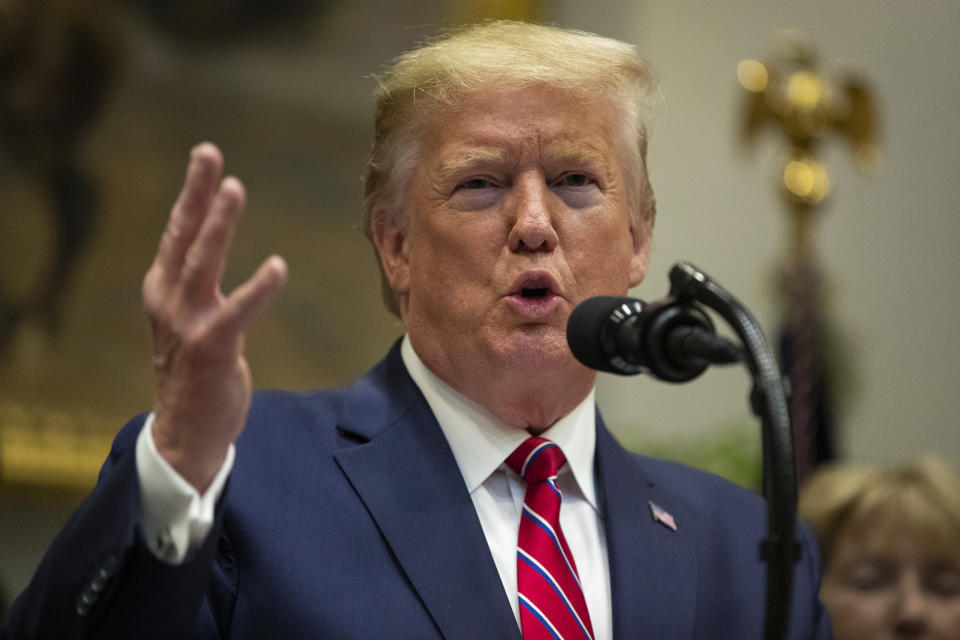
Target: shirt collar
[480,442]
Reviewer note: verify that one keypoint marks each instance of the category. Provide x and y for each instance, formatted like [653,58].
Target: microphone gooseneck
[674,340]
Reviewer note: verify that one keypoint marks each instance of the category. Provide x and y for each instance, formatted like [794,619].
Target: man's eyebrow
[468,159]
[576,153]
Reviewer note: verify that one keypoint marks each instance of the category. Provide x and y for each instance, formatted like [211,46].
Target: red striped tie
[551,598]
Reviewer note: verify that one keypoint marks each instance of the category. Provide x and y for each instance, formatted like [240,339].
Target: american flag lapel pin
[661,516]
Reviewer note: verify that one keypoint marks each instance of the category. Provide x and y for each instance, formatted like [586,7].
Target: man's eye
[475,183]
[574,180]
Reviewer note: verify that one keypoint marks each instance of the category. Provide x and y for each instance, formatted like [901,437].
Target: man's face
[517,211]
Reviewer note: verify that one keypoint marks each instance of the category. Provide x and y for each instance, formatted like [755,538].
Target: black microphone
[671,340]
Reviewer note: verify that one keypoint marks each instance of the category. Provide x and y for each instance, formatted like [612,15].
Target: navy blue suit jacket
[346,517]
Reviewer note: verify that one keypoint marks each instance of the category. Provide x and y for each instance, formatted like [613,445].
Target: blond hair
[919,500]
[423,84]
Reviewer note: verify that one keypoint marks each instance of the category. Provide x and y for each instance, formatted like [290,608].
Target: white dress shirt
[481,444]
[176,518]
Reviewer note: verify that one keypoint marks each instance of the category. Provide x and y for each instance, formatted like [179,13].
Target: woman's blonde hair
[919,500]
[433,79]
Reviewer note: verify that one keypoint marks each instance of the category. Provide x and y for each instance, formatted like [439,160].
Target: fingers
[190,209]
[249,300]
[207,257]
[181,291]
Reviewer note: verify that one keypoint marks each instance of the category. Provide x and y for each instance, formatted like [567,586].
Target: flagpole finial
[789,94]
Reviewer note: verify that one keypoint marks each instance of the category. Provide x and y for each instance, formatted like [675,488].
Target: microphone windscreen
[585,330]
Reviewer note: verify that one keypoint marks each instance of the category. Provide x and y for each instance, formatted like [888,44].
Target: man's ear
[390,239]
[641,254]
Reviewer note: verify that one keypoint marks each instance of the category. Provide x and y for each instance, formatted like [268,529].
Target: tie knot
[536,459]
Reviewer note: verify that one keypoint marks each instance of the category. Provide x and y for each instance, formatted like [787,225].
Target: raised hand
[203,383]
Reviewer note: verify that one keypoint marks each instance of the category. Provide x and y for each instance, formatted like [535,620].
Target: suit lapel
[653,569]
[409,481]
[407,477]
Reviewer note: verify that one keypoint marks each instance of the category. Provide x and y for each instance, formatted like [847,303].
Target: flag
[801,350]
[661,516]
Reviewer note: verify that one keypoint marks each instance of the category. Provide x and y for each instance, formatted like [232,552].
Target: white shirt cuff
[175,517]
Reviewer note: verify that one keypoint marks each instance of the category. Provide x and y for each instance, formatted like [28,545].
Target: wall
[887,243]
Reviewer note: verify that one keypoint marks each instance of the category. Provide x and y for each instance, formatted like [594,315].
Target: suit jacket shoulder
[701,563]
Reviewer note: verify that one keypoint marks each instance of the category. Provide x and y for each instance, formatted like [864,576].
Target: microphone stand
[768,400]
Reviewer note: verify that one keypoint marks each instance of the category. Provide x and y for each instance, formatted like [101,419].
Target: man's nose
[533,227]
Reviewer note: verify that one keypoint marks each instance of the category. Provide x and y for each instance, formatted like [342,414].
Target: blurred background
[101,101]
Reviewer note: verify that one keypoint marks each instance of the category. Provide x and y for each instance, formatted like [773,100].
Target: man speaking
[466,486]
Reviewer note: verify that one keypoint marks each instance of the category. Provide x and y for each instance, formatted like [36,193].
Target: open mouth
[534,293]
[535,285]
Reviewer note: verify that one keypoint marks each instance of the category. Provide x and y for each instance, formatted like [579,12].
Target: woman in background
[890,543]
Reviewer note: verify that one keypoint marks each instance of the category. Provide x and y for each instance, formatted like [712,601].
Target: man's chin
[536,347]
